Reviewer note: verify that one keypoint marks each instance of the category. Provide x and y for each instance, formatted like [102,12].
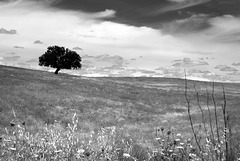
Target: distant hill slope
[136,104]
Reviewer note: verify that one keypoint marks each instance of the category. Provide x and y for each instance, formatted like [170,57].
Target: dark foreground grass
[134,109]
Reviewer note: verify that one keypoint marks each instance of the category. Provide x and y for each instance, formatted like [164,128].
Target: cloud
[198,71]
[38,42]
[207,58]
[103,62]
[87,64]
[115,61]
[225,68]
[108,58]
[10,58]
[187,62]
[11,53]
[236,64]
[104,14]
[234,73]
[217,77]
[171,72]
[87,56]
[32,61]
[195,23]
[18,47]
[119,72]
[10,32]
[77,48]
[225,29]
[180,5]
[178,1]
[199,52]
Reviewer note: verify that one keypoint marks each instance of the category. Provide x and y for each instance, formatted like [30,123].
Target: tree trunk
[57,70]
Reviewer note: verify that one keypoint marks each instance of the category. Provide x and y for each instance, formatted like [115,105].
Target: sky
[153,38]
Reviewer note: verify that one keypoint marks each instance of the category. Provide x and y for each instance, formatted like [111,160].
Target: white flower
[192,155]
[80,150]
[126,155]
[177,140]
[12,149]
[179,147]
[181,143]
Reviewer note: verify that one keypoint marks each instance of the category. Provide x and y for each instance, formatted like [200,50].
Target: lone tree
[60,58]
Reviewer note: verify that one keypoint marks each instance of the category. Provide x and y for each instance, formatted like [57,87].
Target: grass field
[135,106]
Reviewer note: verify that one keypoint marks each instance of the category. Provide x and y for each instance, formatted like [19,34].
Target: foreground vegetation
[54,142]
[44,117]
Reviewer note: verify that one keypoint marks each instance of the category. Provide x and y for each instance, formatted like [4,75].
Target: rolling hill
[136,105]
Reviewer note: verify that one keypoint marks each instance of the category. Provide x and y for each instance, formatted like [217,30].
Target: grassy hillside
[136,105]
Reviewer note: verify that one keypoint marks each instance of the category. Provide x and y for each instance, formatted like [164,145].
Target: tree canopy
[60,58]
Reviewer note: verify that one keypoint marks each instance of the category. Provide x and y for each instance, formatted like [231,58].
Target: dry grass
[118,118]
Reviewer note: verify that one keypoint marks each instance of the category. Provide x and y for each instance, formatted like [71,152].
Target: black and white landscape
[119,80]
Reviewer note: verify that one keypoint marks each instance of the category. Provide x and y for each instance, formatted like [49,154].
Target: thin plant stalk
[216,118]
[190,117]
[231,152]
[225,123]
[215,112]
[210,117]
[200,107]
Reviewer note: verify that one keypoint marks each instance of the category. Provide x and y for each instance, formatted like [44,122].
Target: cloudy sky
[127,37]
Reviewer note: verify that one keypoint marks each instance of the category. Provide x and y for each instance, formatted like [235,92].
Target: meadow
[65,117]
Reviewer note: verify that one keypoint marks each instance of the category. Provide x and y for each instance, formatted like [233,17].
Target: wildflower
[181,144]
[80,150]
[170,150]
[178,135]
[126,155]
[191,155]
[177,140]
[13,149]
[58,151]
[207,140]
[179,147]
[158,139]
